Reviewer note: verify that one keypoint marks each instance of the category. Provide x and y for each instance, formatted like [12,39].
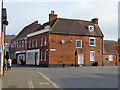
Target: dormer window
[91,28]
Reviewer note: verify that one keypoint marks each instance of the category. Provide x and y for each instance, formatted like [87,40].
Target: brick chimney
[52,16]
[95,20]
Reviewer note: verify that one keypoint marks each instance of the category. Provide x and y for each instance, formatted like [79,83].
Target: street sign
[52,49]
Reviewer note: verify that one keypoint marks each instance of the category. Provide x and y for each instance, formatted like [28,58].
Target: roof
[72,26]
[8,38]
[47,24]
[26,30]
[109,48]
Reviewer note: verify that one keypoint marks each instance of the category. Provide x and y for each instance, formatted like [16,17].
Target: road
[92,77]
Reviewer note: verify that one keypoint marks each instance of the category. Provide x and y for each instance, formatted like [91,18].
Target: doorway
[80,59]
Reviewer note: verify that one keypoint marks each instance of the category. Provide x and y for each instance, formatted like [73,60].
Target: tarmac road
[98,77]
[86,77]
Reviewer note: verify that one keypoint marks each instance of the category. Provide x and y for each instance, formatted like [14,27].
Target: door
[80,59]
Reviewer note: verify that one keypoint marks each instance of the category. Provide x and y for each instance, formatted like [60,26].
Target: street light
[75,57]
[3,24]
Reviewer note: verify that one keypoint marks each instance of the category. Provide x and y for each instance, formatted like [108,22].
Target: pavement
[21,78]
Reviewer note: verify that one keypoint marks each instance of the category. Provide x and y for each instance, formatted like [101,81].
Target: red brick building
[18,45]
[56,42]
[110,53]
[63,41]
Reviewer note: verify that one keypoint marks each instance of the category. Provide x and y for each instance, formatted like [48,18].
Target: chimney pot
[95,20]
[52,12]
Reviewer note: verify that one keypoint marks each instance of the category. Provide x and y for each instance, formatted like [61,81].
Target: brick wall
[110,62]
[65,53]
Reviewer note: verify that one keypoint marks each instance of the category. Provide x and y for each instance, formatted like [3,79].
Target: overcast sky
[23,12]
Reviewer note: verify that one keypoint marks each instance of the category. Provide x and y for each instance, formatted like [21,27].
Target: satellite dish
[62,41]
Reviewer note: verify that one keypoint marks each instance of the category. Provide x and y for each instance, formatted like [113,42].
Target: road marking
[43,83]
[50,81]
[30,84]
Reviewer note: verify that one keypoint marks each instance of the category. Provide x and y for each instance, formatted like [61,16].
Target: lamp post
[75,57]
[4,22]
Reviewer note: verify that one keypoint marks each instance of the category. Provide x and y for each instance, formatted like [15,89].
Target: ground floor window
[110,57]
[45,55]
[41,55]
[92,55]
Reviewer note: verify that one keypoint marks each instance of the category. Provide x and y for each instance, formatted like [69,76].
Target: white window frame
[41,54]
[76,43]
[45,40]
[45,55]
[33,42]
[94,41]
[110,57]
[36,42]
[29,44]
[41,40]
[90,55]
[90,26]
[19,44]
[22,43]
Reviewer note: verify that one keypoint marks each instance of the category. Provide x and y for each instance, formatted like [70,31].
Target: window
[110,57]
[92,41]
[92,55]
[45,55]
[45,40]
[29,44]
[91,28]
[33,42]
[41,40]
[78,43]
[36,42]
[22,43]
[41,55]
[19,44]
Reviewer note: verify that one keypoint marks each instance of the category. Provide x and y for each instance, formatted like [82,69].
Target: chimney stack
[95,20]
[52,16]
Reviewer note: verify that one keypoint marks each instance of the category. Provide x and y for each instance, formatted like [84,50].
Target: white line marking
[30,84]
[48,79]
[43,83]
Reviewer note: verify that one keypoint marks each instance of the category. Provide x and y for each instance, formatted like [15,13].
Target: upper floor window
[19,44]
[91,28]
[42,41]
[45,40]
[110,57]
[33,42]
[22,43]
[36,42]
[29,44]
[78,43]
[92,41]
[92,55]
